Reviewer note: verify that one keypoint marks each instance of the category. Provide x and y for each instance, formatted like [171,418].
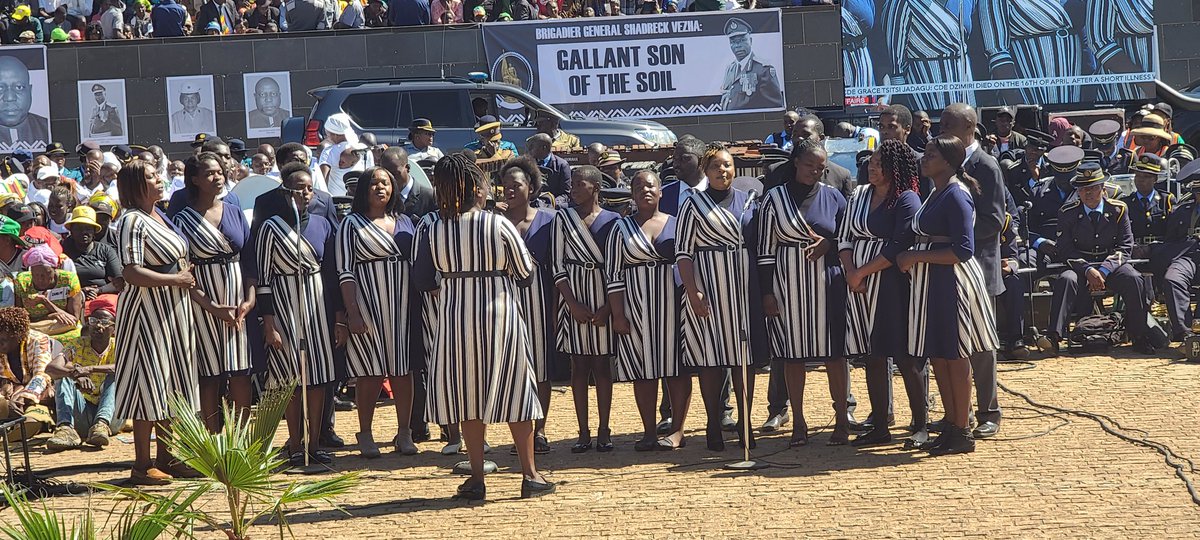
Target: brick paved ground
[1044,476]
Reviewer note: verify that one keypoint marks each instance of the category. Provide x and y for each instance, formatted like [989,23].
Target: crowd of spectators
[56,21]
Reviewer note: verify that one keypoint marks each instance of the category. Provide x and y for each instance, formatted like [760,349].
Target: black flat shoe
[421,436]
[645,445]
[872,438]
[532,488]
[583,444]
[958,442]
[331,440]
[938,426]
[986,430]
[471,491]
[664,427]
[935,442]
[541,445]
[604,447]
[916,440]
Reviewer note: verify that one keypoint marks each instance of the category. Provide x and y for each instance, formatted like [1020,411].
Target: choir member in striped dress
[522,181]
[805,291]
[639,267]
[373,251]
[481,369]
[155,347]
[294,258]
[949,316]
[216,231]
[877,227]
[714,266]
[579,239]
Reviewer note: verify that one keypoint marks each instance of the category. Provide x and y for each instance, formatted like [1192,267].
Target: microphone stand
[302,333]
[746,464]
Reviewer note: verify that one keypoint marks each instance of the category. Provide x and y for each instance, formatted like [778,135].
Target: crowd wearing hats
[136,19]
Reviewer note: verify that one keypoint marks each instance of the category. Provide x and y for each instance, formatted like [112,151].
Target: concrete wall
[1178,27]
[811,56]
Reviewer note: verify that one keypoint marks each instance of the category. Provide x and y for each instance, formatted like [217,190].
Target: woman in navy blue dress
[878,226]
[639,264]
[216,231]
[949,317]
[579,238]
[522,181]
[804,290]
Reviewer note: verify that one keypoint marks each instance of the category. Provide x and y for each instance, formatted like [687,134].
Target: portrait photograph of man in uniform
[24,99]
[268,102]
[190,100]
[102,112]
[749,83]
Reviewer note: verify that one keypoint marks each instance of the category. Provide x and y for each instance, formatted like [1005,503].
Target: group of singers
[465,306]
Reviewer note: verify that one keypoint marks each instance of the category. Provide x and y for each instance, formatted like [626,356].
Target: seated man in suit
[1095,239]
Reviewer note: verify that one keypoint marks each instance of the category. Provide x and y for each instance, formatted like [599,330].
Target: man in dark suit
[267,112]
[418,199]
[688,175]
[19,127]
[959,119]
[1179,255]
[836,176]
[556,172]
[1095,238]
[748,83]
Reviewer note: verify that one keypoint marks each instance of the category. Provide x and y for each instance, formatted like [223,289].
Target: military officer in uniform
[1114,159]
[748,83]
[1180,254]
[1049,196]
[1022,166]
[548,123]
[105,120]
[1148,207]
[1095,238]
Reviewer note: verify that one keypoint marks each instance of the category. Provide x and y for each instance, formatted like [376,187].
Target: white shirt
[684,189]
[970,150]
[430,152]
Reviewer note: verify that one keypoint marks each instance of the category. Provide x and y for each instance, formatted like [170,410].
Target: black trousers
[1177,284]
[1071,296]
[914,371]
[1013,305]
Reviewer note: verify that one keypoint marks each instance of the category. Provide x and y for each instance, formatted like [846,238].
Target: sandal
[605,435]
[541,445]
[799,435]
[665,443]
[582,445]
[178,469]
[645,444]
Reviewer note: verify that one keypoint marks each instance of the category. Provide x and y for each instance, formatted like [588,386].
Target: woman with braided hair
[481,366]
[878,226]
[804,289]
[714,265]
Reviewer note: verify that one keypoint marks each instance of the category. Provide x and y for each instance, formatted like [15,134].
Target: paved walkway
[1045,475]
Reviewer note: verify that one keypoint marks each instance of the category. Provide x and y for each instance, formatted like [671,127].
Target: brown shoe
[178,469]
[148,477]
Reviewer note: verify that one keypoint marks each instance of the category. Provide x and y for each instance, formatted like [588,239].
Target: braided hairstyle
[710,151]
[455,179]
[900,167]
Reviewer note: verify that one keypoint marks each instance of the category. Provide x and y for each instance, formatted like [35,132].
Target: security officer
[1180,254]
[1148,207]
[1010,324]
[1095,238]
[1049,196]
[1178,156]
[1022,166]
[1104,138]
[748,83]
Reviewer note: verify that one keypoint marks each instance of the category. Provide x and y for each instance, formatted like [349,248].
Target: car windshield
[844,151]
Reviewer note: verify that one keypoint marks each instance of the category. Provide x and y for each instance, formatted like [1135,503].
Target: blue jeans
[71,408]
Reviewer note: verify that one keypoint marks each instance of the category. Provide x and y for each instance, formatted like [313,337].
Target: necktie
[1095,215]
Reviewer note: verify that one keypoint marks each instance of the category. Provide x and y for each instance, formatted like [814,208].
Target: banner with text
[645,66]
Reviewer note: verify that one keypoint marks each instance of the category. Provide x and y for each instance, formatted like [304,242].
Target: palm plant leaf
[175,512]
[271,407]
[44,524]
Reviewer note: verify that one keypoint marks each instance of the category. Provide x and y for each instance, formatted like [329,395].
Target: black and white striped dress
[1114,26]
[578,259]
[481,367]
[537,298]
[875,322]
[950,311]
[217,267]
[643,272]
[374,260]
[1037,39]
[927,42]
[811,294]
[710,235]
[428,294]
[155,344]
[290,274]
